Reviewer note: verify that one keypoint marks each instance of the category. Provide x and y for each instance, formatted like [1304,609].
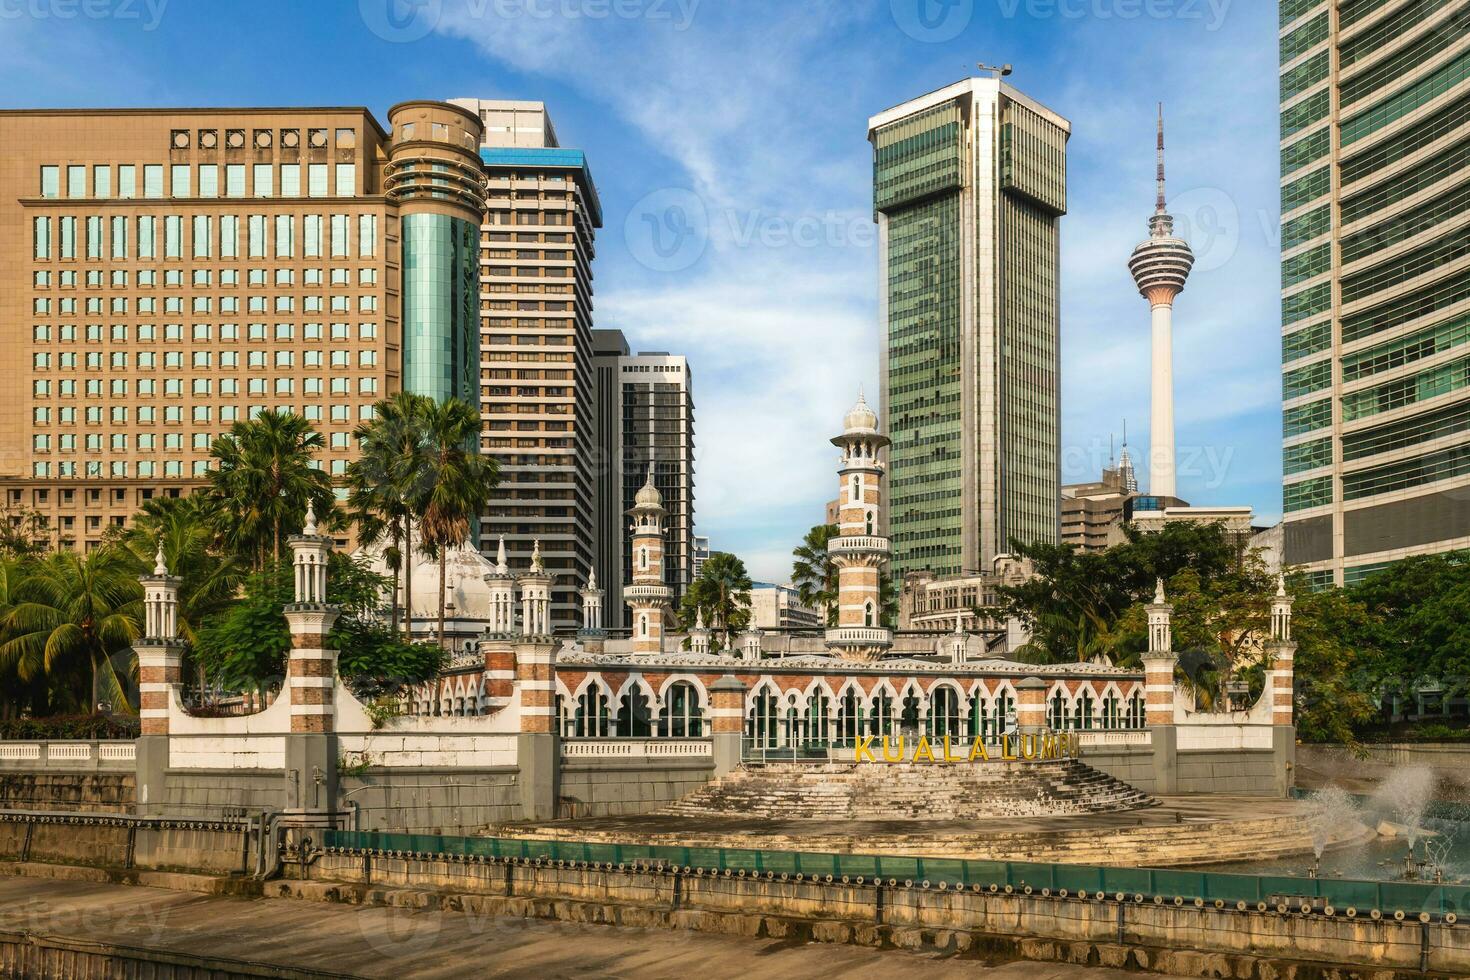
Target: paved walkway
[385,942]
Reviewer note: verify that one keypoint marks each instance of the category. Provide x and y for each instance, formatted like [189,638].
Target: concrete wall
[429,800]
[204,793]
[1238,773]
[1099,930]
[593,787]
[1133,764]
[214,847]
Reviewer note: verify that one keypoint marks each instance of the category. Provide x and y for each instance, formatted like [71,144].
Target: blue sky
[747,118]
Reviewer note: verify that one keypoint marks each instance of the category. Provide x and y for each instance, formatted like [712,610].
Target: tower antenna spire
[1162,206]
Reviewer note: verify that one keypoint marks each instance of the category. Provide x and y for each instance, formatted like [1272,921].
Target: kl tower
[1160,267]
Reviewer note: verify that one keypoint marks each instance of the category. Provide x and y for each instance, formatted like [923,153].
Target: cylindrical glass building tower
[434,177]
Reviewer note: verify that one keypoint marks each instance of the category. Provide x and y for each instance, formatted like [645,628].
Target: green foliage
[63,727]
[261,483]
[246,646]
[721,595]
[1328,628]
[814,573]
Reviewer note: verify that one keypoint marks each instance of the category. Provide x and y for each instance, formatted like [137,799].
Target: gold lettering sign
[1044,747]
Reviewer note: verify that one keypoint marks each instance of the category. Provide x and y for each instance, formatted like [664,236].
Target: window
[256,224]
[153,180]
[339,235]
[263,176]
[285,237]
[50,181]
[173,236]
[316,180]
[41,234]
[346,179]
[234,180]
[312,232]
[203,236]
[147,240]
[76,181]
[367,235]
[127,181]
[119,237]
[178,180]
[102,181]
[290,180]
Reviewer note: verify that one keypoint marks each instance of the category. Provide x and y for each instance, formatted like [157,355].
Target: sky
[728,142]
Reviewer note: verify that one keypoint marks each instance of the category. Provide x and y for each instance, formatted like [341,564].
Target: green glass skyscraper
[969,185]
[1375,278]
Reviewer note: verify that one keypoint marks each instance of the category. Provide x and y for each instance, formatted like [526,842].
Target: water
[1437,833]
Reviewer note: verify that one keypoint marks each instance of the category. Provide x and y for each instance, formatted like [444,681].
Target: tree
[455,482]
[209,577]
[814,573]
[392,452]
[72,613]
[1329,627]
[263,479]
[247,644]
[721,595]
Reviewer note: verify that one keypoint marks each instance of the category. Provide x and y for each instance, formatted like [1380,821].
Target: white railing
[117,752]
[857,543]
[1140,736]
[859,634]
[620,748]
[68,752]
[11,752]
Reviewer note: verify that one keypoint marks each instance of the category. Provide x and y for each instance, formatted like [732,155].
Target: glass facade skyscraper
[441,291]
[969,184]
[1375,276]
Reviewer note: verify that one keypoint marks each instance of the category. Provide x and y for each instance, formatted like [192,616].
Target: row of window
[1405,350]
[1408,224]
[202,180]
[173,414]
[1431,468]
[1421,52]
[146,469]
[1401,104]
[121,333]
[1453,160]
[205,305]
[1386,397]
[174,360]
[1422,302]
[174,387]
[266,236]
[367,275]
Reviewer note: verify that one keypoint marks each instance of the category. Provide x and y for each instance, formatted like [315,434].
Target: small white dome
[648,495]
[861,418]
[464,570]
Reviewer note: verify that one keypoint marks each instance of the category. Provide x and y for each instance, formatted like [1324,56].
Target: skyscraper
[1375,275]
[969,184]
[1160,267]
[169,272]
[645,420]
[536,396]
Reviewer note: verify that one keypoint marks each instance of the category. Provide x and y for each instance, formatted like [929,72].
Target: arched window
[681,717]
[817,729]
[635,720]
[908,719]
[978,726]
[592,717]
[760,721]
[1082,711]
[881,718]
[944,712]
[869,522]
[1137,713]
[849,718]
[1056,712]
[868,614]
[1110,712]
[855,492]
[643,624]
[643,559]
[1003,714]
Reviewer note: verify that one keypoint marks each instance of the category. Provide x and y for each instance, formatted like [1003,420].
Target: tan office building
[170,272]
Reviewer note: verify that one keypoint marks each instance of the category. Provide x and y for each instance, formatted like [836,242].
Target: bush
[89,727]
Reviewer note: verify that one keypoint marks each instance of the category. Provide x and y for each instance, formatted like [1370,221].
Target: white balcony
[860,636]
[837,546]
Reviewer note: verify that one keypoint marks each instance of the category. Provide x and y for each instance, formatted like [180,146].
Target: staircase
[857,791]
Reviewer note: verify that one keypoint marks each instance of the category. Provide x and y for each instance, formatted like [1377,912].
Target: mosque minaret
[860,550]
[1160,267]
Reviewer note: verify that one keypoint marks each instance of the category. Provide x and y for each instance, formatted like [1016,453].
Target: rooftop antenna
[999,71]
[1161,204]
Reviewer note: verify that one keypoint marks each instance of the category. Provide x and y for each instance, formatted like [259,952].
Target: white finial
[592,580]
[159,567]
[698,618]
[1159,593]
[536,565]
[958,629]
[310,528]
[500,563]
[1281,585]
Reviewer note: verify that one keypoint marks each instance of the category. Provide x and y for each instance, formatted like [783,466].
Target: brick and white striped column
[1031,706]
[727,722]
[311,670]
[160,673]
[1282,651]
[538,747]
[1159,662]
[648,597]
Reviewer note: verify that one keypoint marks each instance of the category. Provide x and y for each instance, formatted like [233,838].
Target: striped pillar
[1159,662]
[160,651]
[1031,705]
[727,722]
[648,597]
[1283,652]
[311,671]
[538,748]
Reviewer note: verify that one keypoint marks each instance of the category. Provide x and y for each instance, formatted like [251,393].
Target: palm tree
[73,612]
[721,595]
[815,574]
[209,577]
[17,693]
[454,485]
[263,480]
[392,451]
